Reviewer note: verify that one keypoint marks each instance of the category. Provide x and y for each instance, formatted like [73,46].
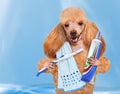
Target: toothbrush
[63,57]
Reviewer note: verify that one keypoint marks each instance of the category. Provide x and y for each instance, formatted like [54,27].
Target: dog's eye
[66,25]
[80,23]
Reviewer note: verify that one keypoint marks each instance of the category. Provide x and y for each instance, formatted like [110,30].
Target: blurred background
[24,25]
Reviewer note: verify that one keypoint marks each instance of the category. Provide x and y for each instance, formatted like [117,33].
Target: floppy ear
[89,34]
[54,41]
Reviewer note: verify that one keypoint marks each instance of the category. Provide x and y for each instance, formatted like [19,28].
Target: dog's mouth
[75,39]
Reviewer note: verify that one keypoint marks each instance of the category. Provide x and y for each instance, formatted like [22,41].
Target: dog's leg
[104,65]
[41,65]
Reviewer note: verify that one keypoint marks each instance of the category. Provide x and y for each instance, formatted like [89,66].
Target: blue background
[24,25]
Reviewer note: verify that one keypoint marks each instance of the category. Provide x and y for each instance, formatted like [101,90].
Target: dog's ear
[90,33]
[54,41]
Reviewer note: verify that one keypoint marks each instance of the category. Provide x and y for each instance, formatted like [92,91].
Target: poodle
[76,29]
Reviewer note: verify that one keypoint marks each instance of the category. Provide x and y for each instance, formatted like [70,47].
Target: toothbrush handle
[42,71]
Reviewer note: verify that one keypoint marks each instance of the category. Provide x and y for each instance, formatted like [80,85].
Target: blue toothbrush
[63,57]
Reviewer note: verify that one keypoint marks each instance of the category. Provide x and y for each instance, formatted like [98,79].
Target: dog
[76,29]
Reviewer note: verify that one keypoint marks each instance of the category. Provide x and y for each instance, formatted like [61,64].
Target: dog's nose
[73,33]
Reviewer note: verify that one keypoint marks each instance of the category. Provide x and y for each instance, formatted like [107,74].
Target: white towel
[69,76]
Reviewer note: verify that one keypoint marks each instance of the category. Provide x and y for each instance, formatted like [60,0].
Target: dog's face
[73,22]
[73,30]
